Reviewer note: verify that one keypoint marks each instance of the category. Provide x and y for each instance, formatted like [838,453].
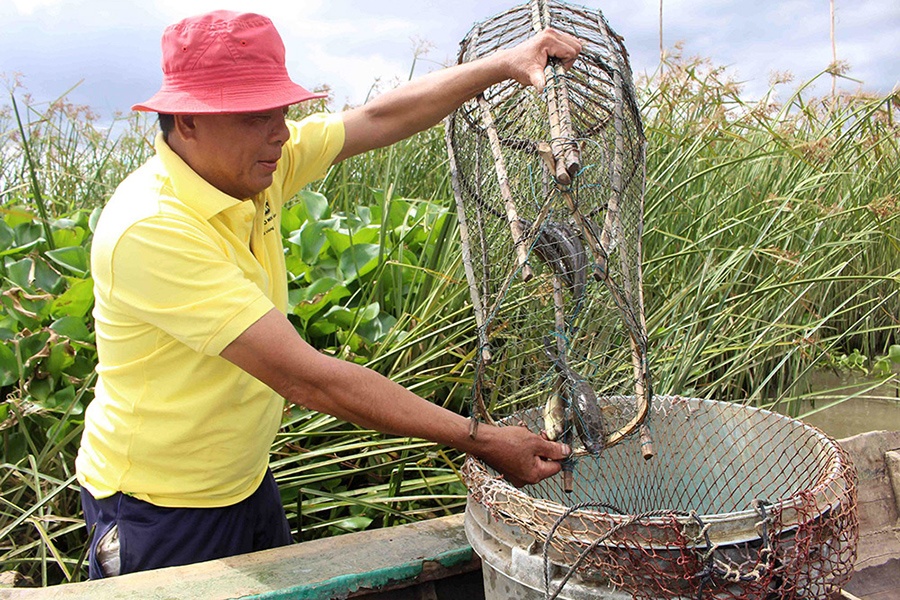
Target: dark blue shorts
[152,537]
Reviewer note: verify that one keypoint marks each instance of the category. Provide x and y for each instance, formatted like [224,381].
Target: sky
[108,50]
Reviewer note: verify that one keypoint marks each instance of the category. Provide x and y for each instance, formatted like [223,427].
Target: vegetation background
[771,250]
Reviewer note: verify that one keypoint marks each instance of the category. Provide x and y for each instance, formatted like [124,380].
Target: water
[839,415]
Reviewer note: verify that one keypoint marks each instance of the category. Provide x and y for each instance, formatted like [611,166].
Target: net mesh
[737,502]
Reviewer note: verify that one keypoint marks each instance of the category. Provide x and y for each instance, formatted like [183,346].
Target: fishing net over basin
[737,503]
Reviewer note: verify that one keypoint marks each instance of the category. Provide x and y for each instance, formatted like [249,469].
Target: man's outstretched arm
[273,352]
[423,102]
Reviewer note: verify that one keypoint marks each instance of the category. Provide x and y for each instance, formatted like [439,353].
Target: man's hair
[166,124]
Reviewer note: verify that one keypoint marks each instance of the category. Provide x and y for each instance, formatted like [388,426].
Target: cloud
[348,44]
[28,8]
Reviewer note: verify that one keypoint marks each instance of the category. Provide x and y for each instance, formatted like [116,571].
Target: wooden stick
[484,356]
[477,306]
[570,152]
[512,215]
[630,263]
[559,313]
[562,139]
[642,395]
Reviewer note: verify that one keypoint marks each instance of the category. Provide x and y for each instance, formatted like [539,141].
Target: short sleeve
[169,273]
[314,144]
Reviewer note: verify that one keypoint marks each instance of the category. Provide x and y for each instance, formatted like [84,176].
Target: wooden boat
[433,559]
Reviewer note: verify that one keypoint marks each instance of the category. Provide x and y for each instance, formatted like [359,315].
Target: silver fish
[589,422]
[555,417]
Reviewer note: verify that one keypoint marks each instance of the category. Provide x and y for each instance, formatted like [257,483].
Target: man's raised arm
[423,102]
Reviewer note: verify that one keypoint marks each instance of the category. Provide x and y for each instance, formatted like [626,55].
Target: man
[196,355]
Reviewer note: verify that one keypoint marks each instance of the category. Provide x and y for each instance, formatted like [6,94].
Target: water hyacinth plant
[771,250]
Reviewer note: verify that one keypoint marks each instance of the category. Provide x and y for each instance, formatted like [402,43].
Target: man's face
[238,153]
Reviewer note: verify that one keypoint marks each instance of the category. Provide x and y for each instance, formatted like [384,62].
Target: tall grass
[772,234]
[771,250]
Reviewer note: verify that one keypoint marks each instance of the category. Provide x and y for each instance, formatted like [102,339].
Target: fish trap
[737,503]
[549,190]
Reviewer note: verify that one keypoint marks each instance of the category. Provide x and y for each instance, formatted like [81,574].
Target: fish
[589,421]
[560,247]
[554,414]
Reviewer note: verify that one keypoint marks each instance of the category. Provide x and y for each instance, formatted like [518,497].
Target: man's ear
[185,126]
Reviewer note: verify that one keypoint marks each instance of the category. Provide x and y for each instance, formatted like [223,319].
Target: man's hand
[520,455]
[526,61]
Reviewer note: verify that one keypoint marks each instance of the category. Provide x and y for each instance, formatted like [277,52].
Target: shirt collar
[189,187]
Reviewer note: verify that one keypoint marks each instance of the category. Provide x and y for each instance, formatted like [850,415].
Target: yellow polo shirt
[180,270]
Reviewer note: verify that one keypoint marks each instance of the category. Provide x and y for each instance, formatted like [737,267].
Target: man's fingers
[557,451]
[537,79]
[548,468]
[564,46]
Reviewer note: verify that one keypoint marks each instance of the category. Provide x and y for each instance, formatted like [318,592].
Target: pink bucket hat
[223,62]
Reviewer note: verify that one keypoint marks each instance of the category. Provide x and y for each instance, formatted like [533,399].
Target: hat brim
[226,99]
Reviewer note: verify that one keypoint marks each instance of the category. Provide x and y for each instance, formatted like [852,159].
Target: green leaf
[894,353]
[311,239]
[9,366]
[70,236]
[73,328]
[7,238]
[365,215]
[325,267]
[20,273]
[75,301]
[397,213]
[60,401]
[40,389]
[46,278]
[16,216]
[18,249]
[32,344]
[290,222]
[315,297]
[64,223]
[28,234]
[354,523]
[353,341]
[881,367]
[295,266]
[346,317]
[322,328]
[373,330]
[343,238]
[95,216]
[73,258]
[61,358]
[316,205]
[357,260]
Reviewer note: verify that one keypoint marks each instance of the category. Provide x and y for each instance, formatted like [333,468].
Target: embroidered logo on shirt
[269,217]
